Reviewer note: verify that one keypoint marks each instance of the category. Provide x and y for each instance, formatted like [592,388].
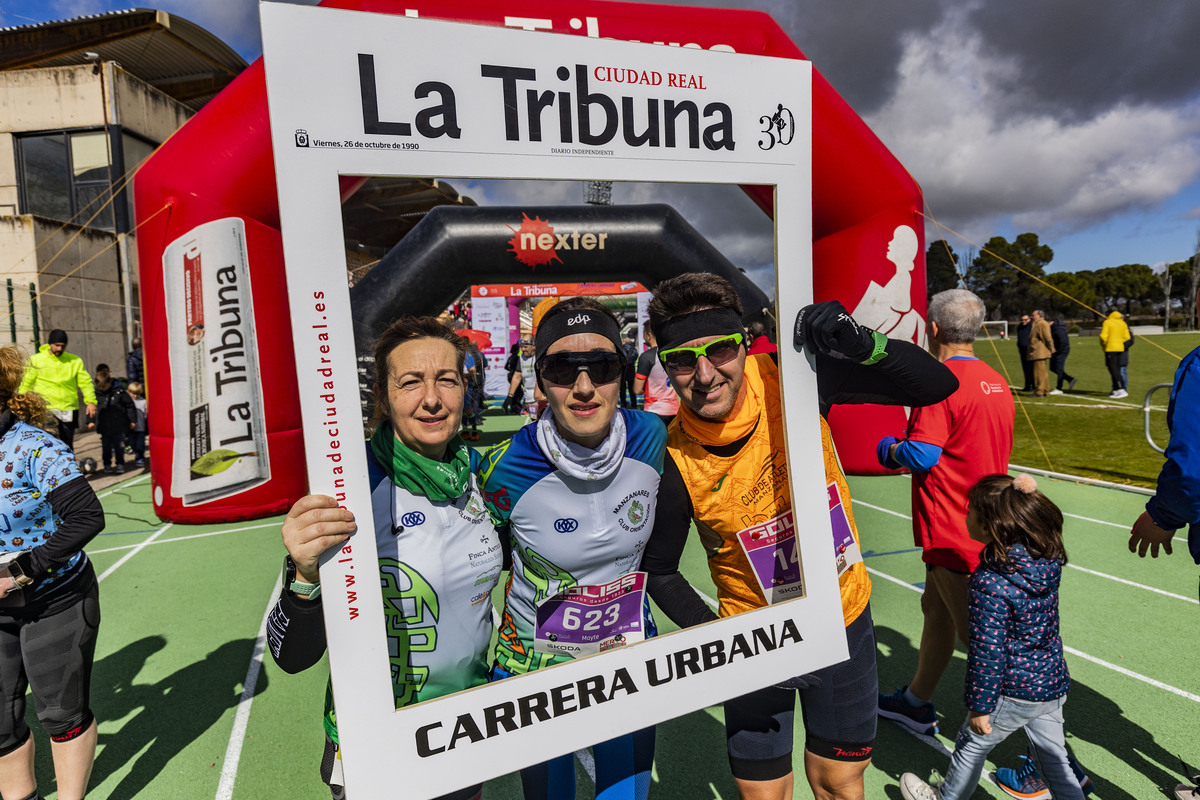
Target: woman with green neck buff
[428,522]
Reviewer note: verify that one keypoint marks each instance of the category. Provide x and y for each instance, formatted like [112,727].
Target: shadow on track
[167,716]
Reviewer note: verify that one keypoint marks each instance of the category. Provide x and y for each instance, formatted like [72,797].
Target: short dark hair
[104,367]
[408,329]
[691,291]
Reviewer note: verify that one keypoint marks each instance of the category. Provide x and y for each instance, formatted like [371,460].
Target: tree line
[1132,289]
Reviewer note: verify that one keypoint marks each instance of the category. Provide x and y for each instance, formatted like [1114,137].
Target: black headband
[676,331]
[569,323]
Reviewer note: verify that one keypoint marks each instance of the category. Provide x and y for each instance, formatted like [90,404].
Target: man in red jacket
[949,447]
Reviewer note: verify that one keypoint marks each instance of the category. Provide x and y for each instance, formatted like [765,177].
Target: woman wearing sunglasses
[577,492]
[433,535]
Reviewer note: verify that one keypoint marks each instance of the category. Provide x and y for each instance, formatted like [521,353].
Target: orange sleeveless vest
[732,494]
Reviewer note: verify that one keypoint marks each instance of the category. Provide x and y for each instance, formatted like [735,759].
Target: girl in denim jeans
[1016,675]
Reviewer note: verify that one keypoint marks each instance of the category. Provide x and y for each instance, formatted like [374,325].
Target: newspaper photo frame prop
[362,94]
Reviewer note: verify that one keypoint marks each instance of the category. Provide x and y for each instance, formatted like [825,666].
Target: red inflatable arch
[218,172]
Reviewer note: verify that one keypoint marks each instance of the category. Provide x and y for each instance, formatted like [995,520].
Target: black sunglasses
[563,368]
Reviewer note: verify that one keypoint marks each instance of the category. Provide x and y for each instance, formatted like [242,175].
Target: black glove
[827,328]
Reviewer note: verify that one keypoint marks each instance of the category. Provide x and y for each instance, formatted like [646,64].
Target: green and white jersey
[438,564]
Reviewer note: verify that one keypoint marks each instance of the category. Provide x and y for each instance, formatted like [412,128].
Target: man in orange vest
[729,429]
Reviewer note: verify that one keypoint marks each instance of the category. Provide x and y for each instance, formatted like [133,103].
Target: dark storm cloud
[855,45]
[1076,59]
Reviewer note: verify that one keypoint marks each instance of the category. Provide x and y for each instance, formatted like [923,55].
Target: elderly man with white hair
[949,447]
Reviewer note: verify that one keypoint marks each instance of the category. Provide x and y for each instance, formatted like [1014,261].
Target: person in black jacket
[512,403]
[115,416]
[135,369]
[1023,331]
[1058,361]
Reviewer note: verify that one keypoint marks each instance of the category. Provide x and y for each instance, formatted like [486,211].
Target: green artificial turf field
[189,708]
[1084,432]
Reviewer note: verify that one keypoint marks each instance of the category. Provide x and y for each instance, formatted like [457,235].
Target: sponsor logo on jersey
[474,511]
[490,552]
[412,518]
[989,388]
[566,525]
[631,511]
[411,608]
[717,488]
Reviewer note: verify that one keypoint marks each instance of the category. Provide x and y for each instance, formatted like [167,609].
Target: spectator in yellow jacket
[1113,336]
[59,377]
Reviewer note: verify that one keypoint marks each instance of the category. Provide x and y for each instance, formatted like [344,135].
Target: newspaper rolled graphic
[220,443]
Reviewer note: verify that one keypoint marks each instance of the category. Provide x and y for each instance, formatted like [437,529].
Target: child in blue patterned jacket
[1016,675]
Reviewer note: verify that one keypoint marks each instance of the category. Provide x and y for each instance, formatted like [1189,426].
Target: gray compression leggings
[53,656]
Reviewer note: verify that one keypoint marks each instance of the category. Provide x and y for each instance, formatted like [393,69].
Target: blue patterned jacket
[1015,647]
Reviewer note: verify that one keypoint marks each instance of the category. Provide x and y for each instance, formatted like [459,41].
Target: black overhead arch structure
[453,248]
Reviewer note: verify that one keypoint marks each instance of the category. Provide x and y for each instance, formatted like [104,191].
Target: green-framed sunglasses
[682,360]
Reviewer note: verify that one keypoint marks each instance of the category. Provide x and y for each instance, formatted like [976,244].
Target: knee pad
[12,740]
[70,728]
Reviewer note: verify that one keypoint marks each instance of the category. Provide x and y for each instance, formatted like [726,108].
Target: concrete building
[82,103]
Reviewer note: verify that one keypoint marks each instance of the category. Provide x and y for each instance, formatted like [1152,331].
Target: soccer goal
[994,329]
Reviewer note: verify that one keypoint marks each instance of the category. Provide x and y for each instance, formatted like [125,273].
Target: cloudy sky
[1077,120]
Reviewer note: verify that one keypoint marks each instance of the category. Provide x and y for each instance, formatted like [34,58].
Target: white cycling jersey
[438,564]
[569,532]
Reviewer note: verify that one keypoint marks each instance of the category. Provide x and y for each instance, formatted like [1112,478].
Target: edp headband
[677,331]
[569,323]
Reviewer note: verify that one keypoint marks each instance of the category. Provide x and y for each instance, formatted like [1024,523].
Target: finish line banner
[362,94]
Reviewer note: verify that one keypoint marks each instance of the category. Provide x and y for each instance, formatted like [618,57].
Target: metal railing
[1146,414]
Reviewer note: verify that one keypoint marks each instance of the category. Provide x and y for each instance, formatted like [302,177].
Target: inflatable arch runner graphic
[868,248]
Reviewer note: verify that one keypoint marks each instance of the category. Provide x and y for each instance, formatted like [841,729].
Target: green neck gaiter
[437,480]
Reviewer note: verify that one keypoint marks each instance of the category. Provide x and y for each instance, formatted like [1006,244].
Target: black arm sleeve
[82,517]
[645,361]
[665,583]
[908,376]
[126,402]
[296,632]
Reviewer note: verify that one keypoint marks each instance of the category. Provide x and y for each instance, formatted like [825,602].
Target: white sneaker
[1056,391]
[913,788]
[1121,393]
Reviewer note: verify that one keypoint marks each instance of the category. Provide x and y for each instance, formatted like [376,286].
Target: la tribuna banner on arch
[226,436]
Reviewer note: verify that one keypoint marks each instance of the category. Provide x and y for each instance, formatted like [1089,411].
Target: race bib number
[846,551]
[583,620]
[771,549]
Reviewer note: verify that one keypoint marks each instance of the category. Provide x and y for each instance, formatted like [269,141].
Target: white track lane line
[854,503]
[133,552]
[1191,600]
[185,538]
[237,737]
[120,486]
[1120,525]
[1101,662]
